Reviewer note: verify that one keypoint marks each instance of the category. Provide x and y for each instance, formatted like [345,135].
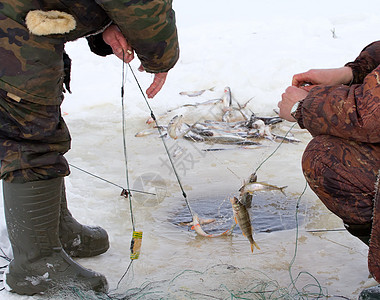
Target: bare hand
[289,98]
[323,77]
[116,40]
[158,83]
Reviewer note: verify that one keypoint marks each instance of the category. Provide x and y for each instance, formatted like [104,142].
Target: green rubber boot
[40,264]
[79,240]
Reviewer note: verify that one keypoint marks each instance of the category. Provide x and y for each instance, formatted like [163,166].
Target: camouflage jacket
[350,112]
[31,63]
[353,113]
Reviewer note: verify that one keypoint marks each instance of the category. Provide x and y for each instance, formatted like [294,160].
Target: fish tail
[282,189]
[229,231]
[255,244]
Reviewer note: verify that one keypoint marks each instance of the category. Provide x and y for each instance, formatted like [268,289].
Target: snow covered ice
[254,47]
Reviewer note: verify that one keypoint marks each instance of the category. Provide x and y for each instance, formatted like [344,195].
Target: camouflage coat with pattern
[31,64]
[342,161]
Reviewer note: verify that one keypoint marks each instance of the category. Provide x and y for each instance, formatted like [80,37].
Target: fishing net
[218,281]
[238,283]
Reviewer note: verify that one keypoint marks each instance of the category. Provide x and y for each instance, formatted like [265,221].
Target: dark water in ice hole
[270,211]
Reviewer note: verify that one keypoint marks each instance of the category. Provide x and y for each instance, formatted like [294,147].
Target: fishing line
[275,150]
[125,143]
[134,254]
[163,141]
[293,281]
[125,273]
[110,182]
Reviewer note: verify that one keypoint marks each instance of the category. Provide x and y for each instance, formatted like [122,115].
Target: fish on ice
[177,128]
[195,93]
[198,229]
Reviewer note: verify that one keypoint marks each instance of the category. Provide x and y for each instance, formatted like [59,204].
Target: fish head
[253,177]
[233,200]
[235,204]
[246,199]
[241,189]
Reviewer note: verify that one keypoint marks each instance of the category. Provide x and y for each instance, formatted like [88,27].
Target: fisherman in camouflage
[341,109]
[33,136]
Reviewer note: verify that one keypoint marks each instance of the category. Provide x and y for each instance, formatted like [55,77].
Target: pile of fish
[237,125]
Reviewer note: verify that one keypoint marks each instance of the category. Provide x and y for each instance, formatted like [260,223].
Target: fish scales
[252,187]
[242,218]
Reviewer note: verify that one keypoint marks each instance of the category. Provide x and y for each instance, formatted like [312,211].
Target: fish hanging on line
[198,229]
[241,216]
[252,187]
[246,198]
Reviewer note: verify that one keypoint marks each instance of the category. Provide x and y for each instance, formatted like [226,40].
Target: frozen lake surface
[254,48]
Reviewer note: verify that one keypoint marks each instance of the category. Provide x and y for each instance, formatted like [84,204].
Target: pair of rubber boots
[43,234]
[363,232]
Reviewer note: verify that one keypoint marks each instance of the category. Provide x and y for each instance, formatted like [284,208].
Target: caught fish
[241,109]
[225,139]
[149,131]
[242,218]
[176,127]
[252,187]
[238,125]
[260,126]
[201,222]
[192,136]
[246,198]
[227,97]
[192,93]
[252,177]
[146,132]
[198,229]
[271,120]
[195,93]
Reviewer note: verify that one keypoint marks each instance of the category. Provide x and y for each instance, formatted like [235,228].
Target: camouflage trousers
[343,174]
[33,139]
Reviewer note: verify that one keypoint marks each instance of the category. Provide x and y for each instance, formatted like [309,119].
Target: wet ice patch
[270,211]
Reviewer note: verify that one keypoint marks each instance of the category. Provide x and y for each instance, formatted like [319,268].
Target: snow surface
[254,48]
